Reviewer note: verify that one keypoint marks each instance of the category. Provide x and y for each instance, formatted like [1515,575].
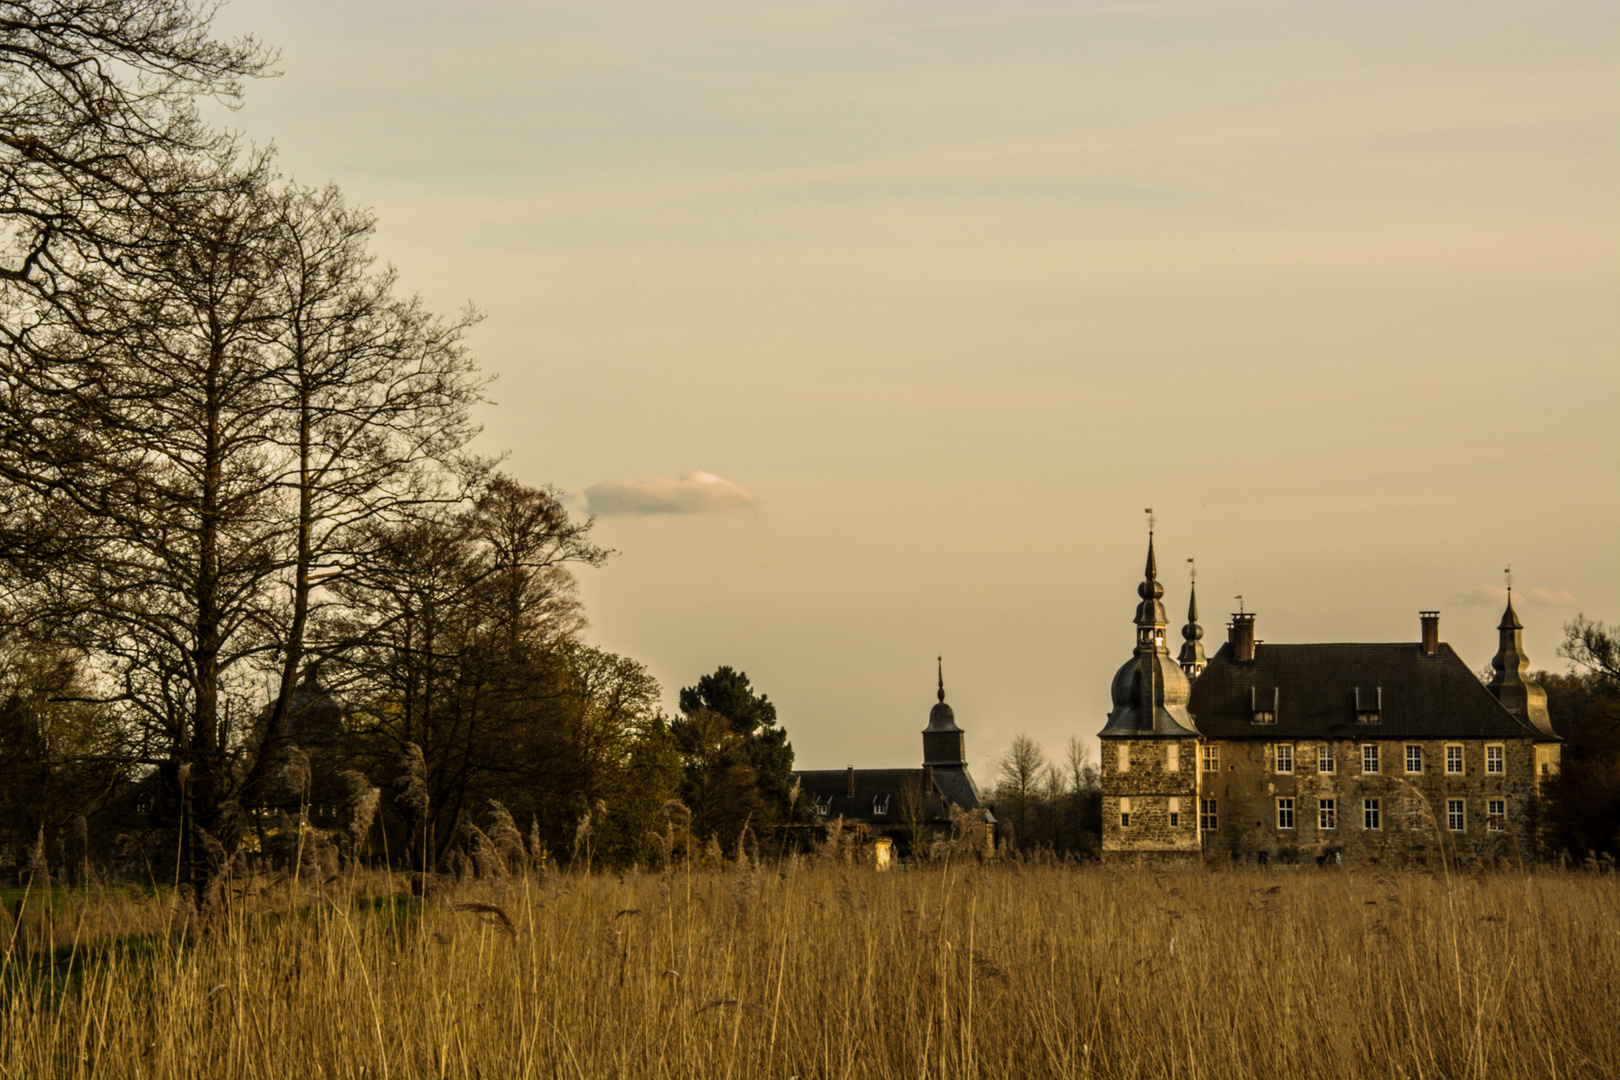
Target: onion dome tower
[1518,695]
[1150,691]
[1192,659]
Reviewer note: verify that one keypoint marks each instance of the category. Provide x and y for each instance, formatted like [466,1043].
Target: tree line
[238,489]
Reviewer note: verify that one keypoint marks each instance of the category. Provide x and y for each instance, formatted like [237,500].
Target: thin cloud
[694,493]
[1534,596]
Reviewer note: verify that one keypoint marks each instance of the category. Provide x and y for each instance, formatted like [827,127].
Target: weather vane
[1151,519]
[1239,599]
[1507,575]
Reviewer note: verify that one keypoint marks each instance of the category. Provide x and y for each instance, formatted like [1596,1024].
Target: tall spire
[1518,695]
[1150,691]
[1192,658]
[941,679]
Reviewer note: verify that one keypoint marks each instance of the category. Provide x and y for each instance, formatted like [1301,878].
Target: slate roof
[1314,687]
[882,787]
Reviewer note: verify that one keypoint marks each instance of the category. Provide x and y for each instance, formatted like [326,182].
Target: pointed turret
[1192,658]
[1518,695]
[1150,691]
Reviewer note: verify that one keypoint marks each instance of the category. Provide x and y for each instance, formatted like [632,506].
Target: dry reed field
[822,969]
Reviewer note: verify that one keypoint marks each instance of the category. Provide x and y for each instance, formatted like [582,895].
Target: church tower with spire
[1150,744]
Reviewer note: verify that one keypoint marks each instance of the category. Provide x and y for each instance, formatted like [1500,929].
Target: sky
[868,331]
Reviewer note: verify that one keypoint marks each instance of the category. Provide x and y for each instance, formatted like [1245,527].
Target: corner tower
[1192,659]
[1150,744]
[1518,695]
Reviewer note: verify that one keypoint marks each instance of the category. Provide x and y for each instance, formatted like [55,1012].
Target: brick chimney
[849,782]
[1240,635]
[1431,632]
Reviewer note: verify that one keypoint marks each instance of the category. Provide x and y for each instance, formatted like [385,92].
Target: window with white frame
[1454,761]
[1124,813]
[1206,815]
[1495,815]
[1324,758]
[1456,819]
[1493,761]
[1175,813]
[1212,759]
[1123,761]
[1285,813]
[1326,814]
[1172,757]
[1370,814]
[1285,758]
[1369,758]
[1414,759]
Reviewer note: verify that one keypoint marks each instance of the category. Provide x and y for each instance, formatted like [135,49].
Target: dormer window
[1261,711]
[880,807]
[1370,710]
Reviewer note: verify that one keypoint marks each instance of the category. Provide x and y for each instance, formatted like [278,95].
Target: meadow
[821,968]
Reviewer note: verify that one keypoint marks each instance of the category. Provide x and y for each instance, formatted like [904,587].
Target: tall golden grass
[824,969]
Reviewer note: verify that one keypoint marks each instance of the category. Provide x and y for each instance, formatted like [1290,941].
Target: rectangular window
[1206,814]
[1493,760]
[1325,816]
[1285,758]
[1369,814]
[1175,813]
[1212,759]
[1454,761]
[1124,759]
[1414,759]
[1285,813]
[1496,815]
[1369,758]
[1455,818]
[1324,758]
[1172,757]
[1124,813]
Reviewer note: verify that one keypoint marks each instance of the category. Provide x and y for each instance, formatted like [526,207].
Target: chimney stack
[1240,634]
[849,783]
[1431,632]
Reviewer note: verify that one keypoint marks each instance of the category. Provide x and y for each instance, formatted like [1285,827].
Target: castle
[1287,752]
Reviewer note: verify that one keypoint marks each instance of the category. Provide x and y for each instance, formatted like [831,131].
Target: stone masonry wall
[1413,820]
[1152,790]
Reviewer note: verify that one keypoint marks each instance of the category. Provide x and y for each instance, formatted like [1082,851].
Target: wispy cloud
[1534,596]
[694,493]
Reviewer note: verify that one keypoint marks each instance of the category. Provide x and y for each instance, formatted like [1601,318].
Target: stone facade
[1152,807]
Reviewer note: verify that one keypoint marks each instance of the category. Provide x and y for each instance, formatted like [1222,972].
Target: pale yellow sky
[953,291]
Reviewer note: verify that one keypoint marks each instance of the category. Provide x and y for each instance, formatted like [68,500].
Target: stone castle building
[1290,752]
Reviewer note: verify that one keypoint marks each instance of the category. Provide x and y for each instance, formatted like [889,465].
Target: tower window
[1172,757]
[1175,813]
[1124,759]
[1124,813]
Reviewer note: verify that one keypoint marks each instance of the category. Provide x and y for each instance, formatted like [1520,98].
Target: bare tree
[1020,774]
